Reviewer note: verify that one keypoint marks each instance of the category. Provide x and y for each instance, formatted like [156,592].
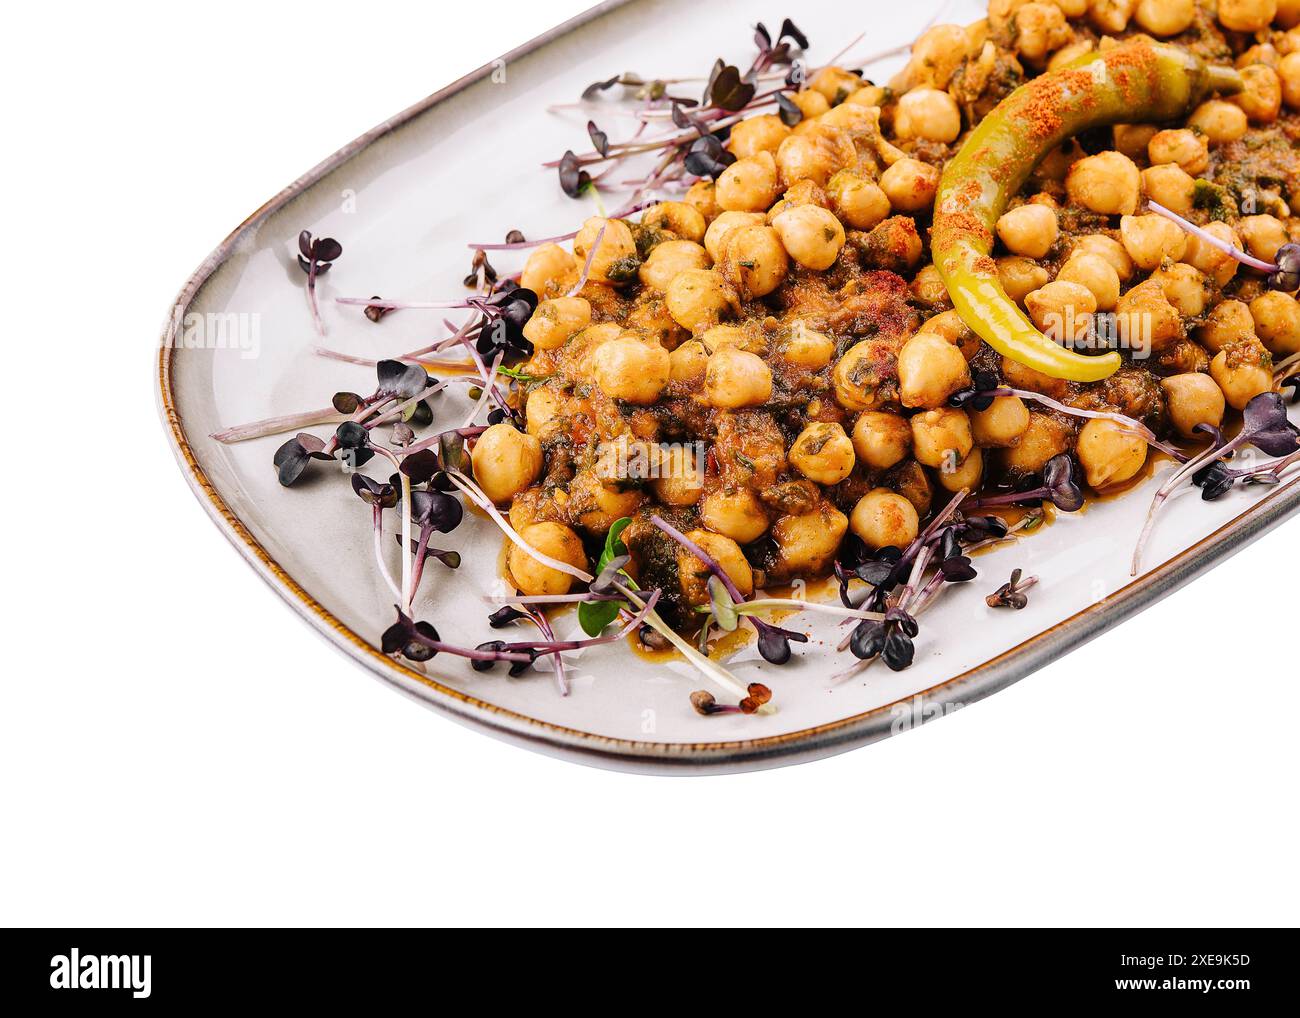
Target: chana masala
[849,329]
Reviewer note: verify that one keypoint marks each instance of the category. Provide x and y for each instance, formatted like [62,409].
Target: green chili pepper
[1139,82]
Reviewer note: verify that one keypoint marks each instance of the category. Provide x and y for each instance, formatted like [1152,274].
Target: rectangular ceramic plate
[404,199]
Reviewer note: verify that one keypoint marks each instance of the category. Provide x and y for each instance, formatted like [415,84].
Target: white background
[177,748]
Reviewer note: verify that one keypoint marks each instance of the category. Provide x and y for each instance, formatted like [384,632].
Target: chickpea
[1149,239]
[807,543]
[1044,438]
[763,133]
[716,338]
[1002,424]
[815,154]
[966,474]
[1062,310]
[631,369]
[1193,398]
[542,411]
[928,114]
[737,514]
[1020,376]
[1147,321]
[693,575]
[807,348]
[1260,53]
[702,196]
[616,244]
[680,479]
[1020,277]
[1039,29]
[1207,258]
[811,104]
[555,320]
[1028,230]
[1132,139]
[895,244]
[928,287]
[715,237]
[595,507]
[1288,72]
[1107,183]
[882,519]
[678,217]
[754,260]
[1219,120]
[549,269]
[688,362]
[835,83]
[930,369]
[667,260]
[1106,247]
[1277,322]
[950,326]
[1243,370]
[822,453]
[749,184]
[812,236]
[554,540]
[1228,322]
[1263,235]
[910,185]
[867,95]
[1097,275]
[1171,186]
[1246,15]
[1165,17]
[735,378]
[857,200]
[881,440]
[936,55]
[1069,54]
[1184,287]
[505,461]
[1108,454]
[857,375]
[698,297]
[1261,98]
[1111,16]
[941,438]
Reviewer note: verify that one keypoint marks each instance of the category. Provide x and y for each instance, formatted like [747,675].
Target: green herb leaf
[594,616]
[724,608]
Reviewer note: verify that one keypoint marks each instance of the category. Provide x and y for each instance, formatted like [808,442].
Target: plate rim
[803,745]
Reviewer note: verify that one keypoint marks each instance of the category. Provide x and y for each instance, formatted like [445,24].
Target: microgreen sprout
[705,703]
[315,257]
[1283,272]
[1012,593]
[773,641]
[1264,425]
[1060,486]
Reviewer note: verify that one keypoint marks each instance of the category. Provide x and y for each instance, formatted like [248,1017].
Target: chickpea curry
[857,330]
[788,325]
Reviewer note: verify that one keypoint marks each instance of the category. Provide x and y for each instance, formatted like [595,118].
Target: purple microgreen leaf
[574,180]
[599,139]
[1265,423]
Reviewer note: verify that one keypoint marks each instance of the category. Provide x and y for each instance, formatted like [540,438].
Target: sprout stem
[1211,239]
[475,495]
[379,552]
[279,425]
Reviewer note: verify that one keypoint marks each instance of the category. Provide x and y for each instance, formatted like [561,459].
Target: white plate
[462,165]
